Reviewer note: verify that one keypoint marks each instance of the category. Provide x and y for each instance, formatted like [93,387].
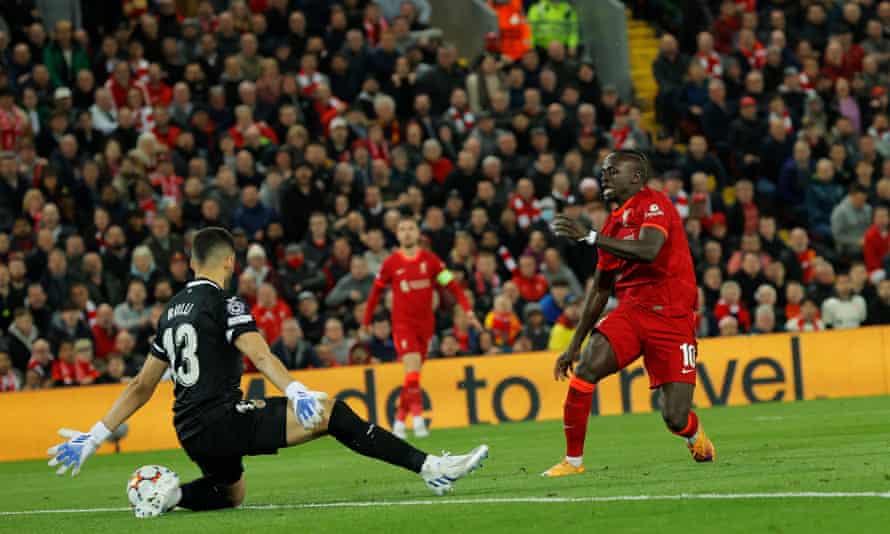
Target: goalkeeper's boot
[163,497]
[420,429]
[440,472]
[399,430]
[702,448]
[562,469]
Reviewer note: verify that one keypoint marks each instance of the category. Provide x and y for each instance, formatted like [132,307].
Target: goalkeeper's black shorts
[246,428]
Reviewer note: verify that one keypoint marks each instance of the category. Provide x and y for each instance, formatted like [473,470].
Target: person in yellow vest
[561,333]
[554,20]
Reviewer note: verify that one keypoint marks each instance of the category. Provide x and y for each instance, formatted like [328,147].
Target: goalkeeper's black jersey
[196,336]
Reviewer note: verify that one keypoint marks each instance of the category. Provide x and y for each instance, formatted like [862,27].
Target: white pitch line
[514,500]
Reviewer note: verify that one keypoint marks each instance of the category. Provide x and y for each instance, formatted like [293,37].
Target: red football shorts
[410,339]
[667,344]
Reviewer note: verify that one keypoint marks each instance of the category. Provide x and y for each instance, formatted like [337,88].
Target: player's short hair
[211,241]
[641,160]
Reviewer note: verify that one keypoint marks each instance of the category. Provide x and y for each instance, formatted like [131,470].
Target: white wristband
[294,389]
[100,432]
[590,238]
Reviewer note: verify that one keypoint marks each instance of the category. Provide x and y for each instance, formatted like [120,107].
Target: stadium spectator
[133,313]
[104,331]
[502,322]
[764,320]
[845,309]
[535,327]
[561,333]
[808,320]
[270,312]
[10,380]
[352,288]
[554,21]
[731,305]
[292,349]
[850,220]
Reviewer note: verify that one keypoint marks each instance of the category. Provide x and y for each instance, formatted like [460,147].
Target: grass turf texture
[821,446]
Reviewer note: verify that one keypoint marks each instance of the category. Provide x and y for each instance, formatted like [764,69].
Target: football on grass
[143,480]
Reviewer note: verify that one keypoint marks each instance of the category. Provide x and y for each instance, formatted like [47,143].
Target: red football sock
[413,393]
[691,426]
[576,411]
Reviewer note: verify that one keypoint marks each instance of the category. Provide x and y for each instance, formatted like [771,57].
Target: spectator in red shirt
[440,165]
[64,369]
[532,285]
[120,82]
[730,304]
[9,379]
[726,26]
[104,331]
[84,370]
[270,311]
[524,203]
[876,244]
[159,93]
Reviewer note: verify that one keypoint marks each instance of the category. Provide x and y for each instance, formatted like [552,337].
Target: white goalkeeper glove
[80,446]
[308,405]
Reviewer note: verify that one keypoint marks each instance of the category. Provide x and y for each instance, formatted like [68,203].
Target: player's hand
[564,365]
[573,229]
[308,405]
[74,452]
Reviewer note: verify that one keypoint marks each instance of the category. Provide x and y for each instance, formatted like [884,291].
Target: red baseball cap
[748,101]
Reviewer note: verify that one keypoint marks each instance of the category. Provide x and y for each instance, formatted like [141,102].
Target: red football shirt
[667,285]
[413,282]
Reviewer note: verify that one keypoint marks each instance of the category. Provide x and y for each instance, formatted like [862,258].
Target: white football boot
[440,472]
[420,429]
[163,497]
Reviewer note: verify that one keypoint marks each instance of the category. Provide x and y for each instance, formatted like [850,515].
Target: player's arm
[81,445]
[445,278]
[595,300]
[306,404]
[644,249]
[384,277]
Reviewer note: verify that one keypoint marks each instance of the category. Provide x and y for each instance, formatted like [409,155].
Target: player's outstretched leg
[412,396]
[682,420]
[597,361]
[368,439]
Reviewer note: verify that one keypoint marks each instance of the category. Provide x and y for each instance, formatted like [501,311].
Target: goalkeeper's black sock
[369,439]
[204,494]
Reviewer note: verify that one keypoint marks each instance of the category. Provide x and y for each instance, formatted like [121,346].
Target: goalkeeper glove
[80,446]
[308,405]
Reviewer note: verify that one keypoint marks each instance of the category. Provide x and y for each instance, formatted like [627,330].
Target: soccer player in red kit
[413,273]
[644,259]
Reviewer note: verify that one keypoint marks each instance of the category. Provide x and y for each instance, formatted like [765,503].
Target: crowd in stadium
[310,127]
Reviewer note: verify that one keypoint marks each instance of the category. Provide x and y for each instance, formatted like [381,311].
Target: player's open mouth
[608,191]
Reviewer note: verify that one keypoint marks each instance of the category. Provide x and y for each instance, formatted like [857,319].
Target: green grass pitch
[816,446]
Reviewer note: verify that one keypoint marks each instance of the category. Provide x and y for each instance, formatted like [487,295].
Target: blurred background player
[413,273]
[644,259]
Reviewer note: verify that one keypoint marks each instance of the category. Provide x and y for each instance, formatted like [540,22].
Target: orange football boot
[562,469]
[702,449]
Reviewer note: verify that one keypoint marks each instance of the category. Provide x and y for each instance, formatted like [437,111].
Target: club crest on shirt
[654,211]
[625,216]
[235,306]
[423,267]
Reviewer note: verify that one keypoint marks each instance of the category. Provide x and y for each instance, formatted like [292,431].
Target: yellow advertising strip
[497,389]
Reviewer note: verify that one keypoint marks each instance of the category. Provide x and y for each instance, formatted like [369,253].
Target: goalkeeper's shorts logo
[246,406]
